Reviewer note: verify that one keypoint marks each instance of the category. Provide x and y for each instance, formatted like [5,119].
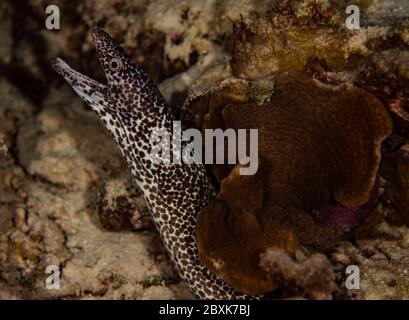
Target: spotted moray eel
[130,106]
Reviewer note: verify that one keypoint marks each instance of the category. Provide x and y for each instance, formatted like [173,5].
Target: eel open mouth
[89,89]
[82,84]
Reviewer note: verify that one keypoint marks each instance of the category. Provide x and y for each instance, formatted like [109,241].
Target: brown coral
[236,228]
[319,146]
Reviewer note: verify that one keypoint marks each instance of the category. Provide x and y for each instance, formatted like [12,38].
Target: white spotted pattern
[130,106]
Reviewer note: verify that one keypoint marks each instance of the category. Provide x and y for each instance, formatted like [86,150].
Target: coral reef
[313,276]
[396,171]
[3,147]
[319,146]
[65,194]
[121,207]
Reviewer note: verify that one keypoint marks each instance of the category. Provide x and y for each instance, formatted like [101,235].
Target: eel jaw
[92,92]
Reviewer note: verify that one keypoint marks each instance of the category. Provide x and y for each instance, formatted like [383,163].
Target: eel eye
[115,65]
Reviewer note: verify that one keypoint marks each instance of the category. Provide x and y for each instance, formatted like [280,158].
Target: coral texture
[65,197]
[317,144]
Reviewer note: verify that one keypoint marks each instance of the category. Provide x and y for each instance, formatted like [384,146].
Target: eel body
[131,107]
